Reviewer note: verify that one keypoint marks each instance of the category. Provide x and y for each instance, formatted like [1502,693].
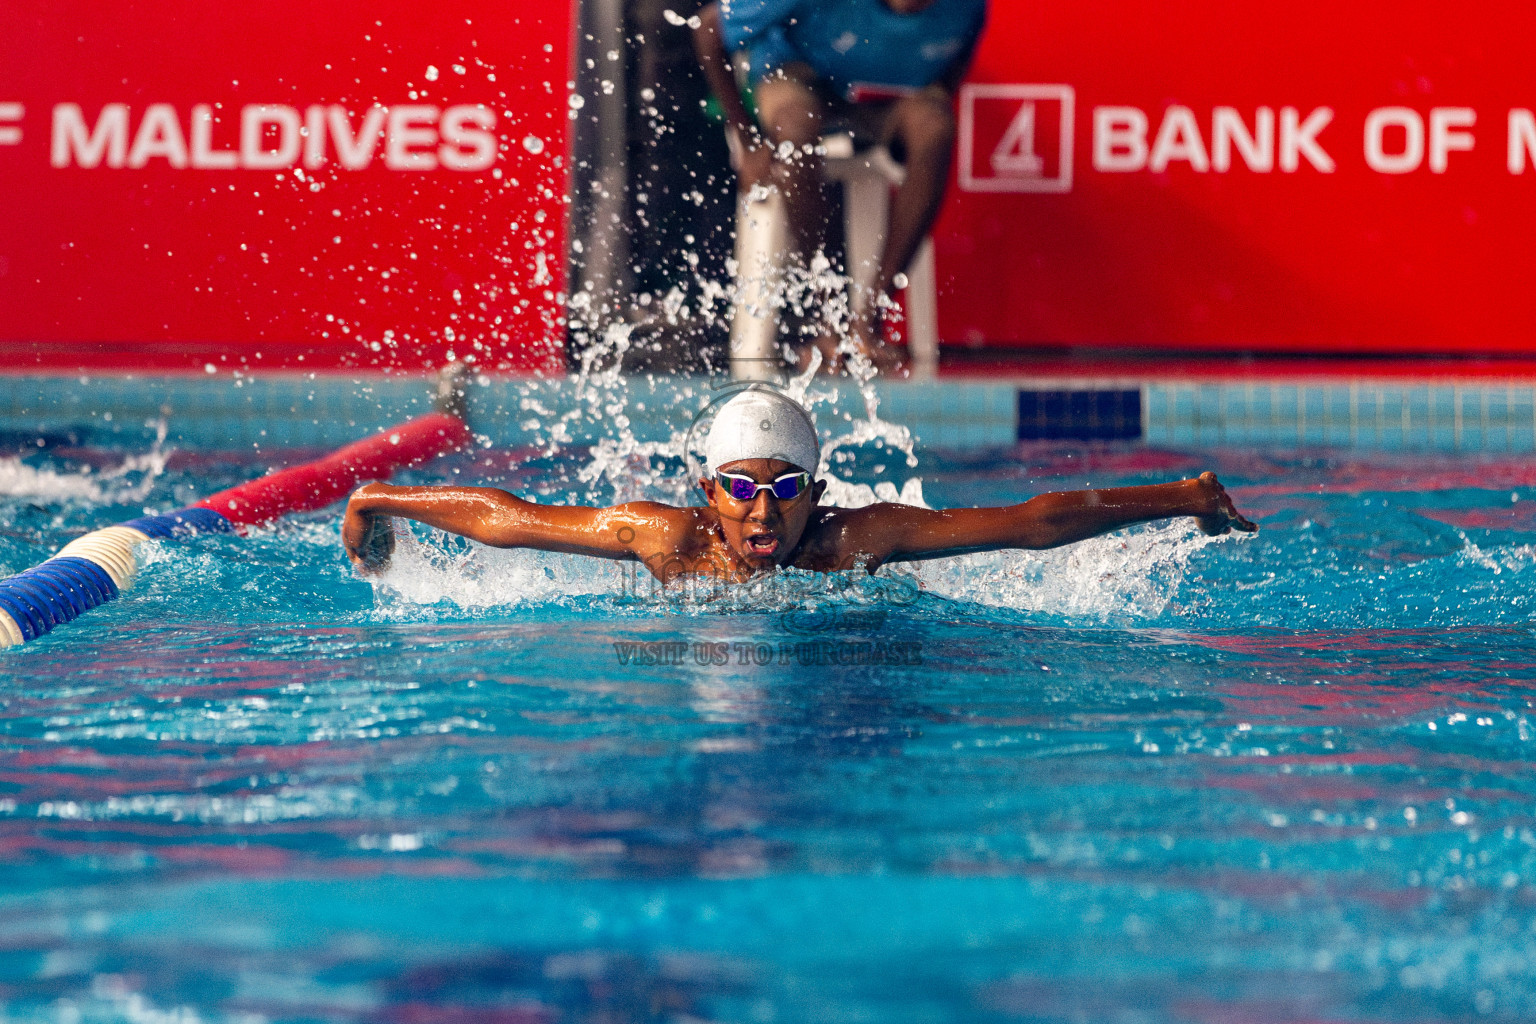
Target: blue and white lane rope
[89,571]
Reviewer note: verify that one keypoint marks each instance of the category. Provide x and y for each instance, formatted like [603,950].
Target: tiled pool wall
[297,410]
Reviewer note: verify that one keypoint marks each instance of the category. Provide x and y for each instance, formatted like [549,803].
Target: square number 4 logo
[1016,138]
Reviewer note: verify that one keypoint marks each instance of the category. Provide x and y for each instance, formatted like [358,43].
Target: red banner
[283,184]
[1199,175]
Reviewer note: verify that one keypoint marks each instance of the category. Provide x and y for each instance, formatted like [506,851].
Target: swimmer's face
[909,6]
[764,531]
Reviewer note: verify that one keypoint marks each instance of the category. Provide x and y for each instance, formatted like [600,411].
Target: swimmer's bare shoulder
[838,539]
[888,531]
[643,530]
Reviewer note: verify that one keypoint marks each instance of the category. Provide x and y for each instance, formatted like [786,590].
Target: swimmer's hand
[368,537]
[1221,516]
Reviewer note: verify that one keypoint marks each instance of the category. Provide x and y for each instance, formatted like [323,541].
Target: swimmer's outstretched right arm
[499,519]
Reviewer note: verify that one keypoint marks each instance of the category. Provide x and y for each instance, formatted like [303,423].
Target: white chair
[762,238]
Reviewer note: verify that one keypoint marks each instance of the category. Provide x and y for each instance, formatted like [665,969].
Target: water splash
[148,467]
[1131,575]
[19,480]
[130,481]
[438,570]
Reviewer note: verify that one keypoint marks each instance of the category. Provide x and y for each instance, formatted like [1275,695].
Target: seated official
[884,70]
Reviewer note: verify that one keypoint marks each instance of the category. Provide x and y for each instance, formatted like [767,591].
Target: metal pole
[600,214]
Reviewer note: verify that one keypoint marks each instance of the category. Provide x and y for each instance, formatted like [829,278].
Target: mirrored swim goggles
[743,488]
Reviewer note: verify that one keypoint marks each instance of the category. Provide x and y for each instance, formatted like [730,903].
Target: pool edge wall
[1486,414]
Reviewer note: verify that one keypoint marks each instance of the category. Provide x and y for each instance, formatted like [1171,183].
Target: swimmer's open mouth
[762,545]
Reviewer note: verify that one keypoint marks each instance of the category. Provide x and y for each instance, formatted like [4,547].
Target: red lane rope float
[92,569]
[324,481]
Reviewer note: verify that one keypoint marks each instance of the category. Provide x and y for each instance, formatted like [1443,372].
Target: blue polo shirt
[854,41]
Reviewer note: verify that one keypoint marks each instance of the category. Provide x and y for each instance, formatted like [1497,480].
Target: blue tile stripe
[1112,414]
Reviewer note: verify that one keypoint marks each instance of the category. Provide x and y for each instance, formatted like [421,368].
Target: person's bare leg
[925,127]
[790,112]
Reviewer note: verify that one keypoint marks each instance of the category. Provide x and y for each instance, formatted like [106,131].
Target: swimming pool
[1154,777]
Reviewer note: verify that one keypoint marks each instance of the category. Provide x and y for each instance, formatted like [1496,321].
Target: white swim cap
[762,424]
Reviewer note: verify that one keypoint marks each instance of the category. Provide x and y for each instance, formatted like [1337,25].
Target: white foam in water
[19,480]
[428,573]
[1130,574]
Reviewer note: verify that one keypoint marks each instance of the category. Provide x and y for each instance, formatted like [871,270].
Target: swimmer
[762,512]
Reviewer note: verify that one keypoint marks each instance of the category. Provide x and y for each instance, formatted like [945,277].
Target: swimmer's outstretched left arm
[904,533]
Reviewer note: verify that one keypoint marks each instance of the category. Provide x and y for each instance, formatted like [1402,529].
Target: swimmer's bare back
[735,539]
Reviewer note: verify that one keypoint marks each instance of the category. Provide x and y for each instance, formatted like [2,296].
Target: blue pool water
[1150,778]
